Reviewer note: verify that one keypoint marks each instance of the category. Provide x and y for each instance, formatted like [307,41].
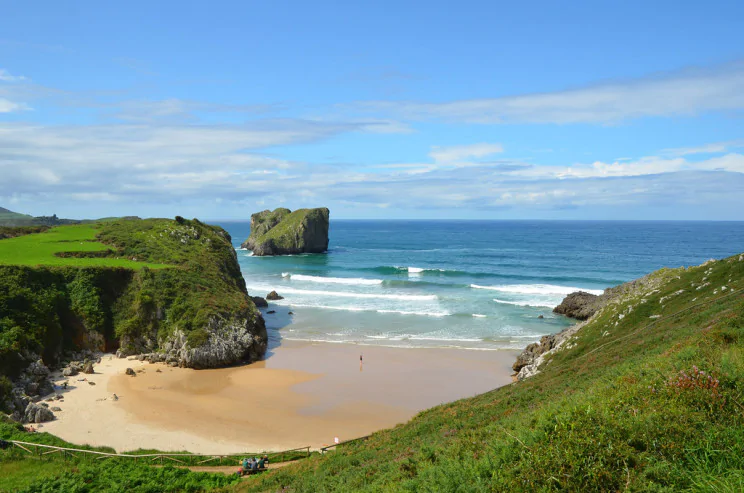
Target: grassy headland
[130,284]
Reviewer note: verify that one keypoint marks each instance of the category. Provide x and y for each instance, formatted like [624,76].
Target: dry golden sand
[302,394]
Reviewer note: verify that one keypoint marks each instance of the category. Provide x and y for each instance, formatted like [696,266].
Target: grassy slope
[264,221]
[40,249]
[622,407]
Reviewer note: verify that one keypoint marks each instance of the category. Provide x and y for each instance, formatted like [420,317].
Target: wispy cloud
[683,93]
[454,154]
[172,164]
[7,106]
[7,77]
[717,147]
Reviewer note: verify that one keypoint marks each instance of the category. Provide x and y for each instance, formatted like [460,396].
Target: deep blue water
[473,284]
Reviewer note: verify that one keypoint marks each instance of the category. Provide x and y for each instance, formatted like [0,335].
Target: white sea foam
[415,270]
[369,309]
[285,274]
[354,281]
[535,303]
[543,289]
[426,314]
[478,315]
[347,294]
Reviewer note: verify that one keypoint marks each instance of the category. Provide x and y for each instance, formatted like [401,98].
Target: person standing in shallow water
[360,362]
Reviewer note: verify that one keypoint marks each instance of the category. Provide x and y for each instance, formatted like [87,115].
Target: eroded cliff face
[281,232]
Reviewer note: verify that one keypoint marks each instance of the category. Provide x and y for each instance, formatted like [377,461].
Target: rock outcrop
[281,232]
[36,413]
[579,305]
[259,302]
[274,296]
[229,341]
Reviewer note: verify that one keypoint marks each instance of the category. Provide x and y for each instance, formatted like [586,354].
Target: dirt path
[232,469]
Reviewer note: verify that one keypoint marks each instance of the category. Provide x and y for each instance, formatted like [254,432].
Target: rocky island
[170,290]
[283,232]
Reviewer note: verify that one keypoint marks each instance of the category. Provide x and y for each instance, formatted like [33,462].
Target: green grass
[43,249]
[623,407]
[19,474]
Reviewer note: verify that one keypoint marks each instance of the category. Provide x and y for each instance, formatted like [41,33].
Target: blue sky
[483,110]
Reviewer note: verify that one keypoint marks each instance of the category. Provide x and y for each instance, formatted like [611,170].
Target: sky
[377,110]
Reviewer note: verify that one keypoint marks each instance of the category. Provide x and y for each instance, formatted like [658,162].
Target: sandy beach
[303,394]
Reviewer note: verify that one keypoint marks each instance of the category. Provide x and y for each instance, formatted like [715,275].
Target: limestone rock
[69,371]
[88,367]
[56,409]
[281,232]
[229,341]
[579,305]
[274,296]
[35,413]
[130,372]
[259,302]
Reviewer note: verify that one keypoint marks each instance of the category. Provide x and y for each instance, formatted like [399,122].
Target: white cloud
[716,147]
[6,77]
[455,154]
[684,93]
[7,106]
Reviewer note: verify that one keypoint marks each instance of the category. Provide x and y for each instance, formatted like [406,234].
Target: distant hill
[10,218]
[14,219]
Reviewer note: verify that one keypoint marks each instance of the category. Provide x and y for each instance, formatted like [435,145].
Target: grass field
[42,249]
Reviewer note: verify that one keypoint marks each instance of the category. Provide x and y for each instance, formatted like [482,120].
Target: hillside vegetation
[141,286]
[646,397]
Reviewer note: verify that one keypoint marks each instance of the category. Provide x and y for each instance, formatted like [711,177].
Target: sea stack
[283,232]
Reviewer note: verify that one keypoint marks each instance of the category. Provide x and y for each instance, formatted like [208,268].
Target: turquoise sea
[466,284]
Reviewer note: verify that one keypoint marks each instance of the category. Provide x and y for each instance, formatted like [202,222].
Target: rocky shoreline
[583,307]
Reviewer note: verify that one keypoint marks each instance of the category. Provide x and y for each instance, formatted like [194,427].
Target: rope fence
[185,459]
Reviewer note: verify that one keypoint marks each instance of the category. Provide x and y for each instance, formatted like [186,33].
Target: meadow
[72,245]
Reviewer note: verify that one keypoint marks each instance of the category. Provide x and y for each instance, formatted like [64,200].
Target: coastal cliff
[171,289]
[282,232]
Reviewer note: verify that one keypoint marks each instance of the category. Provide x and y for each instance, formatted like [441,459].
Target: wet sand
[303,394]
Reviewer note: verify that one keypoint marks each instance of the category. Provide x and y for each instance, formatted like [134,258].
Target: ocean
[480,285]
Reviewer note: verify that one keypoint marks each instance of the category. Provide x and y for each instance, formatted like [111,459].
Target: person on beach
[262,462]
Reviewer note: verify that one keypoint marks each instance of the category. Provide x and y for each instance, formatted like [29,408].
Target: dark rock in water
[273,296]
[579,305]
[271,311]
[259,302]
[541,316]
[282,232]
[37,414]
[88,367]
[290,313]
